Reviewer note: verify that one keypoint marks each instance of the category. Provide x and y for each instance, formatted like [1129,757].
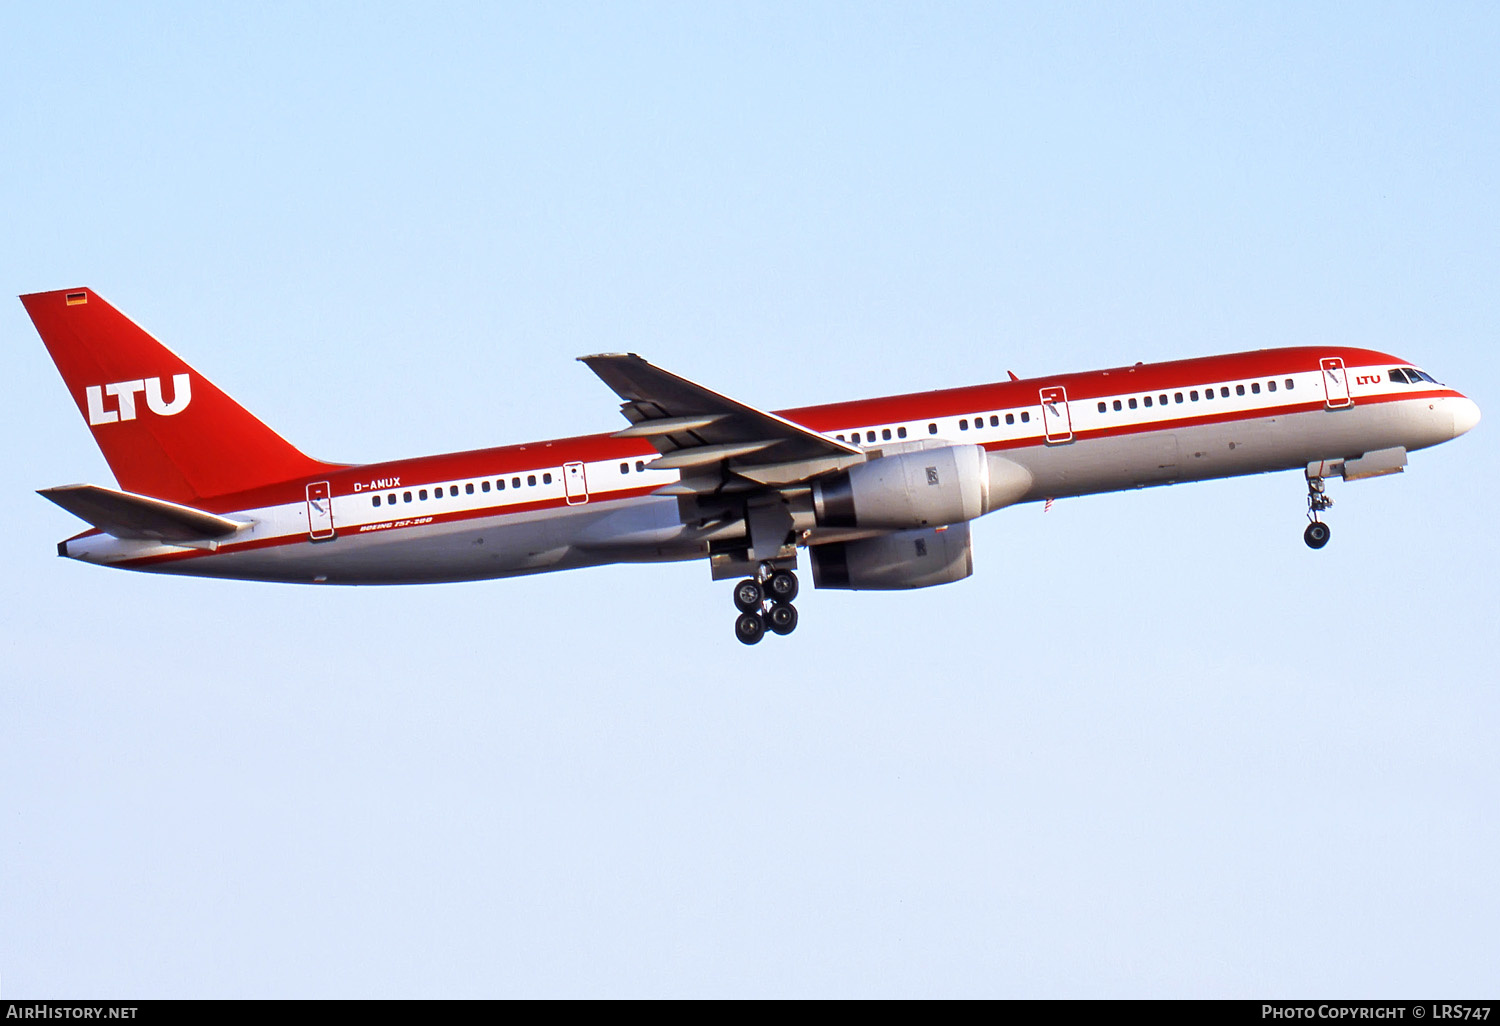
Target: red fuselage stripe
[1036,440]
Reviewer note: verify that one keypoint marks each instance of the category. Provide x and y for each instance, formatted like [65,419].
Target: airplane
[880,492]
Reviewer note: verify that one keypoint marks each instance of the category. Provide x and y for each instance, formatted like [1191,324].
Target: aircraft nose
[1465,415]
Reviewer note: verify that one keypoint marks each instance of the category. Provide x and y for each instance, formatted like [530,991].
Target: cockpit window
[1416,375]
[1398,375]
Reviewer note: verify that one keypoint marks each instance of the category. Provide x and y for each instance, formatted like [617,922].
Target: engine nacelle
[922,487]
[896,561]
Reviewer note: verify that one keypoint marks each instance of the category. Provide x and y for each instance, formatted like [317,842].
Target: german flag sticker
[77,298]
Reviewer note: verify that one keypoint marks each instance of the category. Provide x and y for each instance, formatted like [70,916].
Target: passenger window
[1290,384]
[963,425]
[1255,387]
[500,485]
[1193,395]
[453,491]
[390,500]
[530,480]
[1118,407]
[1177,396]
[546,479]
[625,467]
[1133,403]
[640,464]
[1163,399]
[1102,407]
[422,494]
[1208,393]
[869,436]
[1010,418]
[406,496]
[1271,385]
[375,500]
[469,488]
[839,437]
[484,486]
[1025,417]
[885,434]
[1148,402]
[515,482]
[994,420]
[1239,389]
[901,432]
[932,429]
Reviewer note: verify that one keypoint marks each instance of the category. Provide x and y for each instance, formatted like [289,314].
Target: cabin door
[1335,383]
[319,511]
[1057,421]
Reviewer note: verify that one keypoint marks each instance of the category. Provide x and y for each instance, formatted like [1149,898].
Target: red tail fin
[165,430]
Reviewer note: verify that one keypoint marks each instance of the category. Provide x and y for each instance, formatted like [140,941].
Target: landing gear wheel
[783,617]
[782,586]
[1316,534]
[749,628]
[748,597]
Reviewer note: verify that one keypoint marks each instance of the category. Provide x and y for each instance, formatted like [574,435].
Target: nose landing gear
[1318,500]
[765,601]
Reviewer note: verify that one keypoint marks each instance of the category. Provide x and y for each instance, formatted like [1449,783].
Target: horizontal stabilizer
[126,515]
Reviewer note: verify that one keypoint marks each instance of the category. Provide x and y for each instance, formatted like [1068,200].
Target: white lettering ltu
[125,392]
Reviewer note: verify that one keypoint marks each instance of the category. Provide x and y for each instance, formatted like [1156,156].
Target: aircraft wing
[126,515]
[697,429]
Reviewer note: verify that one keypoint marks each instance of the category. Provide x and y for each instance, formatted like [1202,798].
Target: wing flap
[651,427]
[140,517]
[693,426]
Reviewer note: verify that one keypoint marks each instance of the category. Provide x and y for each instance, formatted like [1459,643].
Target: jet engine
[921,484]
[943,485]
[897,561]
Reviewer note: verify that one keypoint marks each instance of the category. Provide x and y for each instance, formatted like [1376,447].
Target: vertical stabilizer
[165,430]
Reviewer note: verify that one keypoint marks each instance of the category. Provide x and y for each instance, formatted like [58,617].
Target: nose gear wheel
[1318,500]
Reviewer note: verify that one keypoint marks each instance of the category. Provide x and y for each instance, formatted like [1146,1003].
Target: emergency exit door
[575,483]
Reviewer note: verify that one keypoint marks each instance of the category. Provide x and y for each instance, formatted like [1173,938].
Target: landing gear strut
[765,601]
[1318,500]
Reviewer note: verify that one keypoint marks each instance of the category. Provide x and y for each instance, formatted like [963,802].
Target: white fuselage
[589,501]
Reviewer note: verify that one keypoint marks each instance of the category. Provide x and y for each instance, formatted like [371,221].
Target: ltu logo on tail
[124,393]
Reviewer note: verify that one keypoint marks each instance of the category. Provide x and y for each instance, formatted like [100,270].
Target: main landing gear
[765,603]
[1318,500]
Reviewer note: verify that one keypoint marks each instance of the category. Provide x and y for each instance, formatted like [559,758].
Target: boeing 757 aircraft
[879,492]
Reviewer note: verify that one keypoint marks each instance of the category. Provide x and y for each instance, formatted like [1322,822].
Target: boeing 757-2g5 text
[879,492]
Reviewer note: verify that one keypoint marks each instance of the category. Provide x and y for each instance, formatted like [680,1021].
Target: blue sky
[1153,747]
